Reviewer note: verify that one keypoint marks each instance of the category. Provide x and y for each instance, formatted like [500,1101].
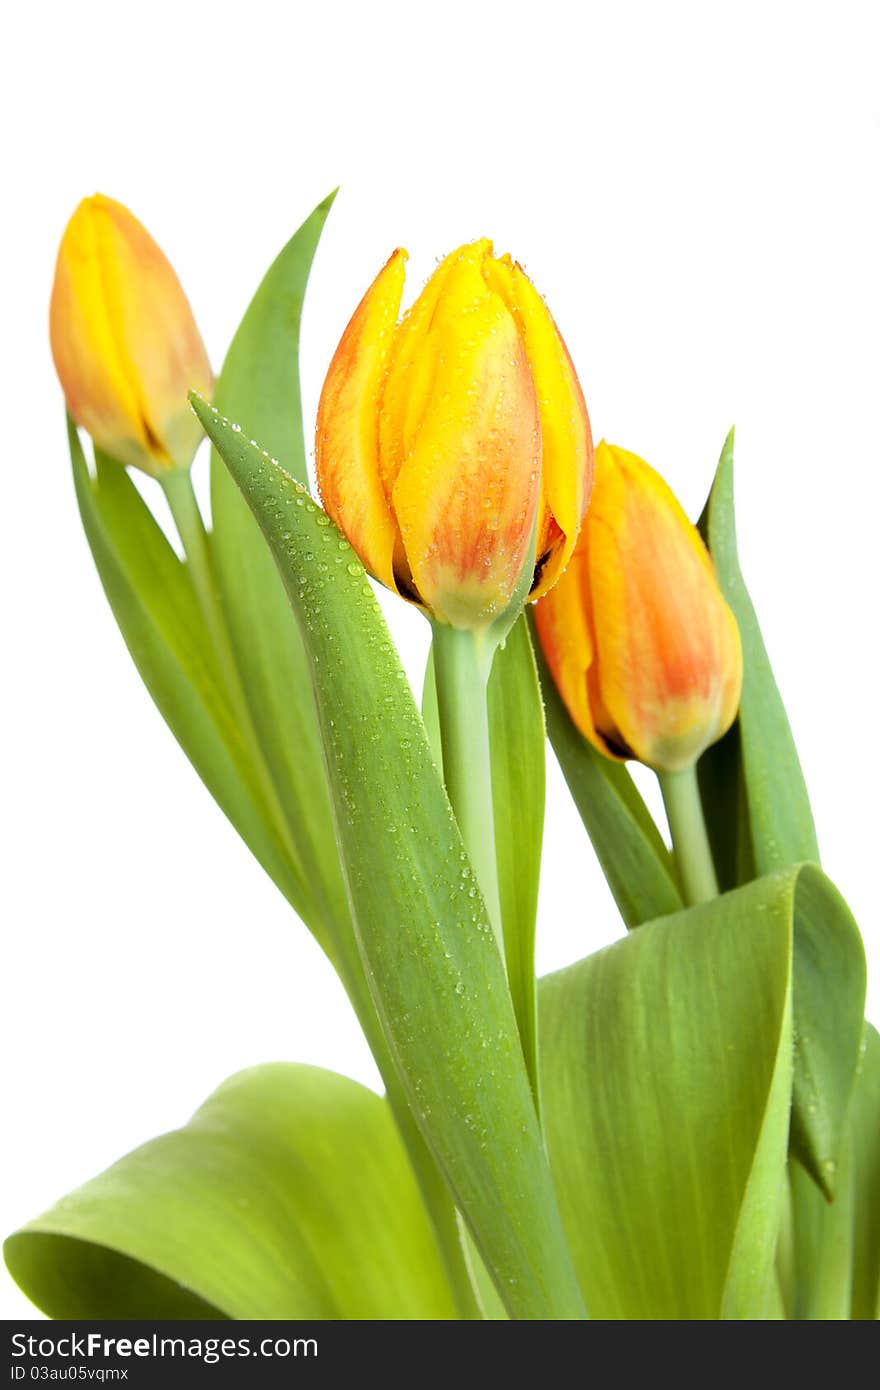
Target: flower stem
[462,662]
[690,842]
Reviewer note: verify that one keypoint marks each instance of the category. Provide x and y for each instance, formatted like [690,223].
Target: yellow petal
[94,375]
[567,444]
[124,339]
[347,435]
[669,661]
[462,419]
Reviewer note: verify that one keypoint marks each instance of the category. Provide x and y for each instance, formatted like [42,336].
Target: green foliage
[428,947]
[667,1081]
[288,1195]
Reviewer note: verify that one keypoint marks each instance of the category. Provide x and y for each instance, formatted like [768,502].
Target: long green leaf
[634,859]
[752,783]
[437,979]
[259,388]
[667,1075]
[759,819]
[153,602]
[288,1195]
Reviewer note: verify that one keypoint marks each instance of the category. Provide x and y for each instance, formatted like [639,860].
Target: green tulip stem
[462,662]
[181,498]
[183,503]
[690,842]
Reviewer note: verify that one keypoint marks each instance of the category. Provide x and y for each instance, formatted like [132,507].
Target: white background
[693,188]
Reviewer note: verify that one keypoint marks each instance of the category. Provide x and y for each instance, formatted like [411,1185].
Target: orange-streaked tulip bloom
[124,340]
[638,637]
[453,444]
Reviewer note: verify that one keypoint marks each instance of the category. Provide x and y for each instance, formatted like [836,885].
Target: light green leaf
[153,602]
[437,978]
[288,1195]
[755,774]
[667,1067]
[634,859]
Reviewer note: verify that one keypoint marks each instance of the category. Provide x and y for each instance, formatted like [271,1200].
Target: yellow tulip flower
[453,444]
[637,635]
[124,340]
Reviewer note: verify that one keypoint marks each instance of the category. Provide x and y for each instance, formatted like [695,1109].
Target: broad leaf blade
[437,979]
[629,846]
[667,1075]
[288,1195]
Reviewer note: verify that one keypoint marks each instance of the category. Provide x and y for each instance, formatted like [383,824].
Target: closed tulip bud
[637,635]
[453,445]
[124,340]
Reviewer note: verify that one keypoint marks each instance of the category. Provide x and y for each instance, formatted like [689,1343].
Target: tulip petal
[347,435]
[161,348]
[99,392]
[124,339]
[567,443]
[669,660]
[462,397]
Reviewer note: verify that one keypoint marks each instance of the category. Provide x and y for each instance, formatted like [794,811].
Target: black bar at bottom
[234,1353]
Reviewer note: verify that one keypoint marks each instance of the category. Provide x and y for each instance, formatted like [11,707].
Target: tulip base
[690,842]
